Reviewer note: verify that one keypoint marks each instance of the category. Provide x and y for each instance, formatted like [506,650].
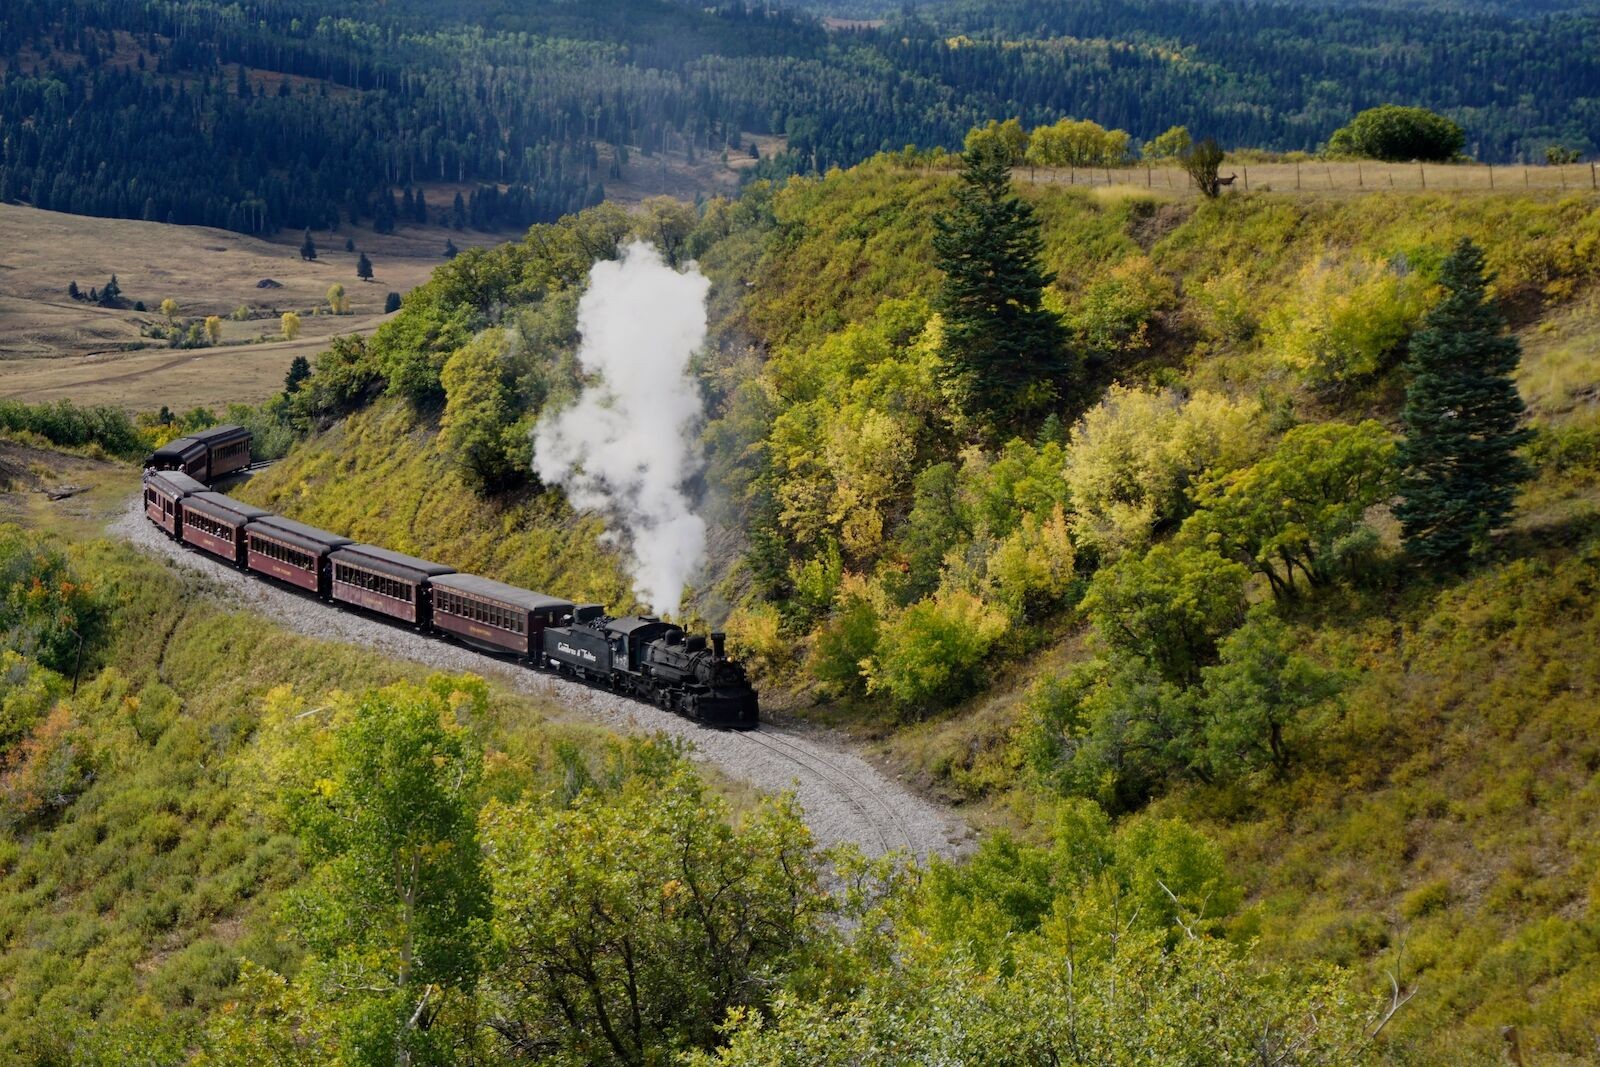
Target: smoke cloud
[624,449]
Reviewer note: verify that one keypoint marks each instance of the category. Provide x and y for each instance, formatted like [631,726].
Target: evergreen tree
[458,213]
[111,295]
[349,244]
[391,303]
[1004,352]
[1459,463]
[450,249]
[419,208]
[72,290]
[299,371]
[308,247]
[364,268]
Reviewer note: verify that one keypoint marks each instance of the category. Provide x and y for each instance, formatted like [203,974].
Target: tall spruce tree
[1459,462]
[1005,354]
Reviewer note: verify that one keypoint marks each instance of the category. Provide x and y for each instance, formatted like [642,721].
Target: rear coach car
[204,455]
[389,583]
[492,615]
[293,552]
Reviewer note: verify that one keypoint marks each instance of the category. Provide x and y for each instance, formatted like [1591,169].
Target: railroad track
[795,751]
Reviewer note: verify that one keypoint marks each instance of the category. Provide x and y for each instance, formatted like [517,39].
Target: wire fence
[1342,177]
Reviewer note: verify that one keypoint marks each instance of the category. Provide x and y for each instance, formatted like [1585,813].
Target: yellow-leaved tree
[1133,457]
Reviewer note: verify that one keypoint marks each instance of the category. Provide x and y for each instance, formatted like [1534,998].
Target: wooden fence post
[1424,172]
[1359,183]
[1297,175]
[1592,184]
[1247,179]
[1147,178]
[1524,177]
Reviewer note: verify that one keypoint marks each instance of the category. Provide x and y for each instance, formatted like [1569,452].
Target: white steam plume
[624,449]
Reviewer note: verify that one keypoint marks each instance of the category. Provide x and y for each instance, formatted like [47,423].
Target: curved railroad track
[888,826]
[845,798]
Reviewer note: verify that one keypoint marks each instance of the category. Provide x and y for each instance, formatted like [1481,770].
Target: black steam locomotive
[641,656]
[655,661]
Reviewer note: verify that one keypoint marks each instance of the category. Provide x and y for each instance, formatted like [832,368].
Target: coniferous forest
[263,116]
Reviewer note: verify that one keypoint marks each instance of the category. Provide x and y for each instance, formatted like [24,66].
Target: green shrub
[1134,455]
[935,652]
[65,423]
[1349,323]
[844,644]
[1398,134]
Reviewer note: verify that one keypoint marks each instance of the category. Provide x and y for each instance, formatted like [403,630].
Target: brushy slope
[1432,819]
[383,476]
[140,861]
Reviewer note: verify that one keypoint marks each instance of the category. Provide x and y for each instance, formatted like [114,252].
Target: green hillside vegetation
[229,845]
[1184,595]
[142,856]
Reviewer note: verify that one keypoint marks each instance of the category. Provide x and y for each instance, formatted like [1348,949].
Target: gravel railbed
[845,798]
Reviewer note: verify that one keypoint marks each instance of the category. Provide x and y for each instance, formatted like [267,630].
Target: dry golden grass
[52,346]
[1315,176]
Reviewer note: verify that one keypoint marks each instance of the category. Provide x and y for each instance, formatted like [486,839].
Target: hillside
[1430,818]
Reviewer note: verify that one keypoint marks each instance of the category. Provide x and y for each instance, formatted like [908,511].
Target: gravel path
[845,798]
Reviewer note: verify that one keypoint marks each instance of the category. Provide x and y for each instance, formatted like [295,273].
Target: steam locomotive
[655,661]
[640,655]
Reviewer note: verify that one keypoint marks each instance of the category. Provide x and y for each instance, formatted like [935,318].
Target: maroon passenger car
[163,490]
[292,552]
[217,523]
[205,454]
[390,583]
[493,615]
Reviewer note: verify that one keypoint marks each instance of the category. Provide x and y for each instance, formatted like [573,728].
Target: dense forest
[262,116]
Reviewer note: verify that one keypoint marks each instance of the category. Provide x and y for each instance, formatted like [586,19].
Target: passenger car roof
[298,533]
[506,594]
[384,561]
[176,481]
[224,506]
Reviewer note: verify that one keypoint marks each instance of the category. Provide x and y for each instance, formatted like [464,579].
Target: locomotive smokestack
[717,639]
